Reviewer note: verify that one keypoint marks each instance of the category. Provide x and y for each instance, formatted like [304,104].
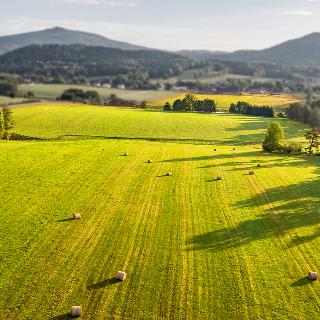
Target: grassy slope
[193,248]
[52,121]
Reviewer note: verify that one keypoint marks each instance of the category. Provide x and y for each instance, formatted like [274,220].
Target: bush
[290,148]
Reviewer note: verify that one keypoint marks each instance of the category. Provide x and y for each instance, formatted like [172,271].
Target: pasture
[192,247]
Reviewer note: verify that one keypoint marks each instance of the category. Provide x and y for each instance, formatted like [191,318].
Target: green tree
[167,107]
[273,137]
[8,122]
[312,135]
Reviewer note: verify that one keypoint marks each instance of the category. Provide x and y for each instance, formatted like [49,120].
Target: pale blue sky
[170,24]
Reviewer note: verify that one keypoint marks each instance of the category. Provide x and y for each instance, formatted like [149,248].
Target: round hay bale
[258,165]
[76,216]
[313,275]
[251,172]
[169,174]
[219,178]
[149,161]
[234,149]
[215,150]
[126,154]
[76,311]
[121,276]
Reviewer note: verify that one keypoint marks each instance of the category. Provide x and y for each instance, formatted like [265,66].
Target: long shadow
[288,208]
[65,220]
[301,282]
[65,316]
[103,284]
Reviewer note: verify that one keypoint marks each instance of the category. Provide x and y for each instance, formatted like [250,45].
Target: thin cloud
[297,13]
[100,2]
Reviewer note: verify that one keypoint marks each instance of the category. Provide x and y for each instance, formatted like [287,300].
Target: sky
[226,25]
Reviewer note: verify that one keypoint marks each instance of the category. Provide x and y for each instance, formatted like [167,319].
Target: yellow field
[223,100]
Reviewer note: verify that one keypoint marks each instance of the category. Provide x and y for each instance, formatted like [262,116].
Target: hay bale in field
[169,174]
[76,216]
[313,275]
[251,172]
[234,149]
[76,311]
[258,165]
[219,178]
[149,161]
[215,150]
[121,276]
[125,154]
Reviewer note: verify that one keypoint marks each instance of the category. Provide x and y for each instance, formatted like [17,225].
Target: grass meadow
[192,247]
[157,99]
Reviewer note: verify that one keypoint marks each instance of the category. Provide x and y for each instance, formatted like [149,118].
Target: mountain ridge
[61,36]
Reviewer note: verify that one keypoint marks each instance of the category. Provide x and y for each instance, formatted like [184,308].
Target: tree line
[93,97]
[246,108]
[191,104]
[308,113]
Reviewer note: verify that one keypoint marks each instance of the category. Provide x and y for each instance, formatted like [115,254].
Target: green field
[159,98]
[65,120]
[7,100]
[52,91]
[193,247]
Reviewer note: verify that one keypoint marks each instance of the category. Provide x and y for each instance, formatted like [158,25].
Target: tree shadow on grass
[103,284]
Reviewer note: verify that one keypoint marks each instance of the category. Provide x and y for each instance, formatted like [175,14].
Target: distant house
[121,86]
[176,88]
[98,84]
[106,86]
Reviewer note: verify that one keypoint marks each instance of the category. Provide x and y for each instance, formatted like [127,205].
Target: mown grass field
[193,247]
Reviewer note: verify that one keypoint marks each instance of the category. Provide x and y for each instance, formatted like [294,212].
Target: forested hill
[302,51]
[60,36]
[69,61]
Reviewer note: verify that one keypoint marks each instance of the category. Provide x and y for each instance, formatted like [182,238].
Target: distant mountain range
[61,36]
[302,51]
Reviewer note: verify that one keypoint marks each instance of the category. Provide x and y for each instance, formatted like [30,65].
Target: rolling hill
[80,60]
[302,51]
[60,36]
